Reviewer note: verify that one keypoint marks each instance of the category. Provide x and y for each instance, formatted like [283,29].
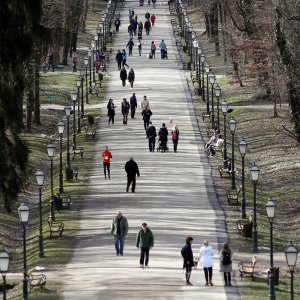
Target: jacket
[119,56]
[133,102]
[123,226]
[163,134]
[144,239]
[131,76]
[123,74]
[206,254]
[146,114]
[132,169]
[106,156]
[187,255]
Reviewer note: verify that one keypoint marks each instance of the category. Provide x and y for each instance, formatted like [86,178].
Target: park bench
[78,150]
[206,115]
[194,77]
[225,168]
[94,91]
[247,269]
[233,196]
[36,280]
[59,67]
[71,174]
[244,227]
[62,201]
[56,228]
[90,132]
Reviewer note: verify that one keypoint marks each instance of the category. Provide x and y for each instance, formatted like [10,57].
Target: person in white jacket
[206,254]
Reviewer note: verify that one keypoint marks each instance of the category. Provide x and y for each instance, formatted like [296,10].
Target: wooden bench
[247,269]
[59,68]
[78,150]
[206,115]
[244,227]
[90,131]
[233,196]
[225,168]
[94,91]
[55,228]
[62,201]
[36,280]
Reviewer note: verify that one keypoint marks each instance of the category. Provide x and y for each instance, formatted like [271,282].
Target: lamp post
[199,71]
[51,152]
[86,62]
[212,78]
[93,45]
[270,207]
[82,72]
[218,94]
[202,59]
[291,255]
[243,149]
[196,45]
[224,107]
[39,175]
[96,43]
[78,84]
[207,69]
[90,61]
[254,171]
[232,127]
[61,129]
[68,110]
[23,212]
[99,32]
[4,262]
[74,99]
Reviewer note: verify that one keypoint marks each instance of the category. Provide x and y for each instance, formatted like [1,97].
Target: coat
[133,102]
[110,109]
[132,169]
[163,134]
[146,114]
[131,76]
[187,255]
[225,268]
[123,74]
[125,107]
[123,226]
[144,239]
[205,255]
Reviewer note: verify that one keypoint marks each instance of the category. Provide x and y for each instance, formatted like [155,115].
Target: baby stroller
[160,146]
[164,54]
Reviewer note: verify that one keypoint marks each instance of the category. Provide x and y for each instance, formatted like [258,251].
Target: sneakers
[211,284]
[142,266]
[189,283]
[146,267]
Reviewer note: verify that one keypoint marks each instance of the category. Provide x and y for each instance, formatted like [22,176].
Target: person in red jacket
[152,19]
[106,156]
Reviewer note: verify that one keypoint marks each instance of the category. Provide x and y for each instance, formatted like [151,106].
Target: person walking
[133,105]
[151,135]
[175,136]
[123,76]
[146,113]
[147,15]
[226,263]
[132,170]
[144,241]
[106,156]
[153,49]
[139,45]
[206,262]
[188,259]
[145,103]
[117,24]
[163,48]
[152,19]
[147,26]
[111,111]
[125,110]
[130,45]
[130,30]
[119,228]
[119,59]
[131,77]
[74,62]
[163,137]
[124,57]
[51,62]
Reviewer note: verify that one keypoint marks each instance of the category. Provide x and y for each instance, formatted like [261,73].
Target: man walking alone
[119,228]
[132,170]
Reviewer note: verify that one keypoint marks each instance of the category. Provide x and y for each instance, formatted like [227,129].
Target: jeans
[119,243]
[106,166]
[132,112]
[144,254]
[151,144]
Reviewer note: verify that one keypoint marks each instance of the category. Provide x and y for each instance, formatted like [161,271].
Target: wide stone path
[174,195]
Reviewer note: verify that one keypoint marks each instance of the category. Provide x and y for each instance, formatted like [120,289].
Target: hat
[144,224]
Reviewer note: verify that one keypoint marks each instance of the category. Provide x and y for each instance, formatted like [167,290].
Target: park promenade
[175,194]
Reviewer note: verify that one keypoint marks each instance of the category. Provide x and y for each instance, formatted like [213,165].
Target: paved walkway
[174,195]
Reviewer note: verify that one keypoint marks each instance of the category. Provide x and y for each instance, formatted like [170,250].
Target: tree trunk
[37,112]
[66,45]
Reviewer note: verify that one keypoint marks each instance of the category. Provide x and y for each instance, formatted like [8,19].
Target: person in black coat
[132,170]
[117,24]
[125,110]
[188,259]
[147,26]
[151,135]
[133,105]
[111,111]
[131,77]
[163,137]
[119,59]
[146,113]
[123,76]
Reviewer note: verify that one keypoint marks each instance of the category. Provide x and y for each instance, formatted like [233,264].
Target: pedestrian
[132,171]
[153,2]
[206,262]
[133,105]
[117,24]
[45,67]
[147,26]
[163,48]
[119,59]
[130,30]
[188,259]
[134,26]
[144,241]
[152,19]
[106,156]
[130,45]
[119,228]
[151,135]
[153,49]
[163,137]
[147,15]
[74,61]
[175,136]
[51,62]
[140,27]
[125,110]
[226,263]
[145,103]
[124,57]
[139,45]
[131,77]
[123,76]
[146,113]
[111,111]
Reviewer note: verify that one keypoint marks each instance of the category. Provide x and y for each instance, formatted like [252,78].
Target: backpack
[226,258]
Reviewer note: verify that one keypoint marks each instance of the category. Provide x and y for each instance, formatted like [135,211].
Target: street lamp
[78,84]
[23,212]
[270,207]
[218,94]
[96,43]
[224,107]
[93,45]
[291,255]
[82,72]
[232,127]
[61,129]
[196,45]
[39,175]
[254,171]
[212,78]
[86,62]
[51,152]
[243,149]
[89,52]
[74,99]
[68,110]
[99,31]
[207,70]
[202,59]
[4,262]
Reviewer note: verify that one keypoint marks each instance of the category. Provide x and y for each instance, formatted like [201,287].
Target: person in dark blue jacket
[188,259]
